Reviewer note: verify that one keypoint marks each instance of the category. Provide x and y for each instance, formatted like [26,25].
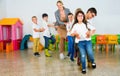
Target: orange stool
[1,46]
[8,47]
[101,39]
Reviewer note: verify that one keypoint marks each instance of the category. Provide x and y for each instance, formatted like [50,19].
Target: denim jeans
[47,42]
[85,47]
[71,46]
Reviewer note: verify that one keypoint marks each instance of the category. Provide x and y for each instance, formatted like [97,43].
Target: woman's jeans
[85,47]
[47,42]
[71,46]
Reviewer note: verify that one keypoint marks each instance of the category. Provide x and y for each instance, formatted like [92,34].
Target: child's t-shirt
[81,30]
[35,34]
[68,27]
[47,30]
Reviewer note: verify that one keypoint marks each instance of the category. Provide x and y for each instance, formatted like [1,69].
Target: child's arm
[51,25]
[39,30]
[90,33]
[76,35]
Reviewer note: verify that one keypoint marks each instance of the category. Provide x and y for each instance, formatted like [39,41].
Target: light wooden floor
[23,63]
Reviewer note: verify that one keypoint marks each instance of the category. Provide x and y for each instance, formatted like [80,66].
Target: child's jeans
[85,47]
[71,46]
[47,41]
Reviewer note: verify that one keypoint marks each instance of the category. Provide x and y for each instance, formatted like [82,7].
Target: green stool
[118,38]
[57,42]
[51,46]
[66,45]
[93,39]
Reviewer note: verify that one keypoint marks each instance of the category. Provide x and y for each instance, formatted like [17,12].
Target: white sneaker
[61,56]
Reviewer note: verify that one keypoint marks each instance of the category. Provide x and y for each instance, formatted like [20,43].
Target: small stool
[8,47]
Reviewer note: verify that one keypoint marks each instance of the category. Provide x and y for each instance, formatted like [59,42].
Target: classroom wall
[106,22]
[2,9]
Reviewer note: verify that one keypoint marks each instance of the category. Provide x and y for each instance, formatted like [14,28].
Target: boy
[46,34]
[69,37]
[91,13]
[36,35]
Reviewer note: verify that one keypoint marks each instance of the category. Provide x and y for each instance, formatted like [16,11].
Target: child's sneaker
[72,59]
[93,65]
[47,54]
[61,56]
[36,54]
[83,71]
[68,54]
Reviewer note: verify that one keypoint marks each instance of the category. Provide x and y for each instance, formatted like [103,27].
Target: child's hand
[42,29]
[65,23]
[77,36]
[56,27]
[88,34]
[73,34]
[51,25]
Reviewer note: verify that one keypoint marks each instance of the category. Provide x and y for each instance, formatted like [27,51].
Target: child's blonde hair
[34,17]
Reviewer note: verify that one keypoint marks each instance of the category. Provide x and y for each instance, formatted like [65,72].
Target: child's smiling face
[80,17]
[34,20]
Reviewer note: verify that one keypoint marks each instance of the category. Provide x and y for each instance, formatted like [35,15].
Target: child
[83,31]
[36,35]
[46,34]
[90,14]
[70,38]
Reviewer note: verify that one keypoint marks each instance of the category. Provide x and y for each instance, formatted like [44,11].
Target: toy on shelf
[11,33]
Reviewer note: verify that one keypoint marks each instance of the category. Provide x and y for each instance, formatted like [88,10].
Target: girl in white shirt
[83,31]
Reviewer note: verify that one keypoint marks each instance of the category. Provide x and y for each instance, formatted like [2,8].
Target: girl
[82,31]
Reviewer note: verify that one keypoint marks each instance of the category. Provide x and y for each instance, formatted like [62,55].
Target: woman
[61,16]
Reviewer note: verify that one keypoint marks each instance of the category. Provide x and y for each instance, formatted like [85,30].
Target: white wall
[107,20]
[2,9]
